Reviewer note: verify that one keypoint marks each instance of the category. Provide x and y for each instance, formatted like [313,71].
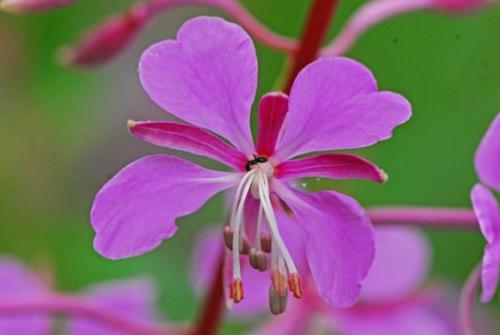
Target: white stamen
[273,225]
[245,184]
[238,196]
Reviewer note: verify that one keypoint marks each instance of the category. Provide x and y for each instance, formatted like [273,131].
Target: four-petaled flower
[208,78]
[487,164]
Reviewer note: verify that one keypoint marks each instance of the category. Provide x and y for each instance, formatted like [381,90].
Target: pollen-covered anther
[295,285]
[258,259]
[279,282]
[277,302]
[236,290]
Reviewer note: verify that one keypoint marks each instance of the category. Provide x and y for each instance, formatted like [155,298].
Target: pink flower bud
[106,40]
[32,6]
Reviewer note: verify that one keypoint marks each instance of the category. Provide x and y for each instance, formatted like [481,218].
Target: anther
[236,290]
[295,285]
[265,242]
[277,303]
[257,259]
[278,279]
[244,246]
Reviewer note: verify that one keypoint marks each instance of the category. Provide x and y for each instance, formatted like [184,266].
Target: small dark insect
[254,161]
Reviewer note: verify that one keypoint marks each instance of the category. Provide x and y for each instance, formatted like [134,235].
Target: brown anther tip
[236,290]
[295,285]
[277,302]
[258,259]
[265,242]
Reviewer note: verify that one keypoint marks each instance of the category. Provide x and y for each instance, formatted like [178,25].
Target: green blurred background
[63,133]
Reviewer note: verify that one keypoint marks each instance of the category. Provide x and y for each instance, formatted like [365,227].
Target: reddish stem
[425,216]
[316,27]
[213,309]
[75,306]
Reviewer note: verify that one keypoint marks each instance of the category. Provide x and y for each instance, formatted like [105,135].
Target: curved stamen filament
[245,184]
[263,186]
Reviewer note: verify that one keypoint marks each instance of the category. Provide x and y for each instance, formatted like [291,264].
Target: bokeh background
[63,134]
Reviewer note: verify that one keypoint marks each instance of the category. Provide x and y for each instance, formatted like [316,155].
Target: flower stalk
[442,218]
[74,306]
[316,27]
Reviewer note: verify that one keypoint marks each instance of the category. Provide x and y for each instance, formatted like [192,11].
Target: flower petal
[335,166]
[187,138]
[487,212]
[487,160]
[132,298]
[17,282]
[402,259]
[207,77]
[409,320]
[339,242]
[293,322]
[272,111]
[488,216]
[334,104]
[136,210]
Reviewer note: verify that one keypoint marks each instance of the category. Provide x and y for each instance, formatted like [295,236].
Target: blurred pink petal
[335,104]
[17,282]
[293,322]
[401,264]
[407,320]
[488,215]
[487,160]
[335,166]
[187,138]
[132,298]
[208,77]
[136,210]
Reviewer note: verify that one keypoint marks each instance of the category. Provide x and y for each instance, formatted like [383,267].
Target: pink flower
[208,77]
[390,303]
[132,298]
[32,6]
[487,164]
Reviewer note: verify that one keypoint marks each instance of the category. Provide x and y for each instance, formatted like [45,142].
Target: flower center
[268,243]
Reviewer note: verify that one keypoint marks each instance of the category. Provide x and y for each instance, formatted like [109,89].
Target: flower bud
[107,40]
[32,6]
